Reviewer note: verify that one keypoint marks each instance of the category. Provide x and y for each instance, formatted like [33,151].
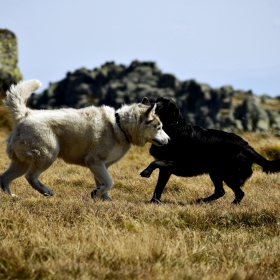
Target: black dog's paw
[200,200]
[146,173]
[236,201]
[155,200]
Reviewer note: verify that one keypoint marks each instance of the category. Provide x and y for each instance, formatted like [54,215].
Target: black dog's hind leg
[219,189]
[154,165]
[237,179]
[239,194]
[163,178]
[235,185]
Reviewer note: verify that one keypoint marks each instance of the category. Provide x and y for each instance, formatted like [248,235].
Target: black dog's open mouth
[159,143]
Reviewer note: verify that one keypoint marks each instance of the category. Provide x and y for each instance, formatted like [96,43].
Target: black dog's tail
[272,166]
[269,166]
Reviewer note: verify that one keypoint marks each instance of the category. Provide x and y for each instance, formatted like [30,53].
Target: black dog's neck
[180,121]
[169,125]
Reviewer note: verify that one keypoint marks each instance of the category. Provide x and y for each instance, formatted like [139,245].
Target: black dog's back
[193,150]
[196,150]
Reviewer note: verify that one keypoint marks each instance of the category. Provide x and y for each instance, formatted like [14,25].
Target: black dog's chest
[181,149]
[187,161]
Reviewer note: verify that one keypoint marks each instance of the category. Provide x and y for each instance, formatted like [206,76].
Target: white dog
[95,137]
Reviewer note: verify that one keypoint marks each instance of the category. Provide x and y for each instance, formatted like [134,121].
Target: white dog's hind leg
[32,176]
[15,170]
[104,196]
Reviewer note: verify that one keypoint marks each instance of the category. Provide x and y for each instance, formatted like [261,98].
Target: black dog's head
[167,111]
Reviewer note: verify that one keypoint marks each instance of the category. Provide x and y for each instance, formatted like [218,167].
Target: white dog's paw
[94,193]
[14,195]
[106,196]
[101,192]
[48,193]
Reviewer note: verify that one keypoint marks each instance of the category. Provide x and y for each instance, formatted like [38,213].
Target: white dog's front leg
[101,175]
[104,196]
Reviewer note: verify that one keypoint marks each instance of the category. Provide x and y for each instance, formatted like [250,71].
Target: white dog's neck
[129,124]
[127,136]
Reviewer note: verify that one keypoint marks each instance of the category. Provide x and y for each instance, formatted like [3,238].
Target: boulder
[252,115]
[9,71]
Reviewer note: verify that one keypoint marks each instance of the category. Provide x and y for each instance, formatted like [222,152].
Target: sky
[217,42]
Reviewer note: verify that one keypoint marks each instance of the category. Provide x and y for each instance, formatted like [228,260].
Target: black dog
[193,150]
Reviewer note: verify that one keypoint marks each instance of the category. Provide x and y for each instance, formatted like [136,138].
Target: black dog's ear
[146,101]
[159,100]
[165,100]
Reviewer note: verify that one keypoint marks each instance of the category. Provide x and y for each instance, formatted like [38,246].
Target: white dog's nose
[162,140]
[167,138]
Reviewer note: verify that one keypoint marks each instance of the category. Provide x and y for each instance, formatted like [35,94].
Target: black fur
[194,150]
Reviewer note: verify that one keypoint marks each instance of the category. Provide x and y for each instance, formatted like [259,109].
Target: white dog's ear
[151,112]
[146,101]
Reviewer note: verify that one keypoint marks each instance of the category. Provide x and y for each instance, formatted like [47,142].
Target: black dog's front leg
[163,177]
[154,165]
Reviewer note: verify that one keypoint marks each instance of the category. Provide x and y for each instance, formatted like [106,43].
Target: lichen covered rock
[9,71]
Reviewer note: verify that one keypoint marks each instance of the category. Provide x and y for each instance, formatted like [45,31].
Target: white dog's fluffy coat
[88,137]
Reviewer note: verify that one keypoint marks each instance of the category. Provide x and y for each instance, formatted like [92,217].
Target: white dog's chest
[115,154]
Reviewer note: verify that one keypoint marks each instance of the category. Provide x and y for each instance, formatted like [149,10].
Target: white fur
[88,137]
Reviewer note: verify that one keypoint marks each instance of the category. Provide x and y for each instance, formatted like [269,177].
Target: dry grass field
[71,236]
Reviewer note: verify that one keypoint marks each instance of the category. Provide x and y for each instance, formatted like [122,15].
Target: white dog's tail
[17,97]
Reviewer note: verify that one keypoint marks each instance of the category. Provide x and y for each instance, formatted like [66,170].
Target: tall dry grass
[71,236]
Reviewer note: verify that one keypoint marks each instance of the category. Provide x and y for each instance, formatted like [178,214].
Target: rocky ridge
[115,84]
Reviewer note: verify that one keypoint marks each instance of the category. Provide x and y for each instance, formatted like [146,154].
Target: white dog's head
[151,126]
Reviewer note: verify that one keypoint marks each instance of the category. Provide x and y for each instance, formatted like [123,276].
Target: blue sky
[218,42]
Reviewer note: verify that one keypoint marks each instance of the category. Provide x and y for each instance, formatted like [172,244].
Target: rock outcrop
[9,71]
[113,85]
